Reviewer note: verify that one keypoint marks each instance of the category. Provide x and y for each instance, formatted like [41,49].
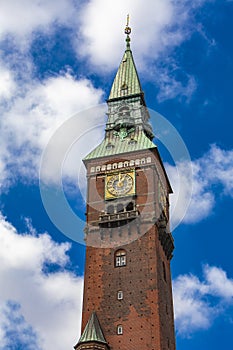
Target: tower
[127,302]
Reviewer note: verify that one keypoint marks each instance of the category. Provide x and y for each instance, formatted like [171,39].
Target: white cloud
[47,303]
[7,84]
[219,284]
[33,114]
[156,32]
[212,177]
[155,26]
[171,88]
[197,303]
[146,22]
[21,19]
[97,27]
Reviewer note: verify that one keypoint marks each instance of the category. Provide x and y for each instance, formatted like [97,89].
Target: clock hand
[121,180]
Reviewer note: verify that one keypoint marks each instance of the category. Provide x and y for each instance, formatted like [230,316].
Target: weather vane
[127,28]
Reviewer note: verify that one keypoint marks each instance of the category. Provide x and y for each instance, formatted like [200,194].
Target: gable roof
[92,331]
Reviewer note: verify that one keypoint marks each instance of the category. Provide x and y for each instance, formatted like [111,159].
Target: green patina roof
[109,147]
[92,331]
[126,82]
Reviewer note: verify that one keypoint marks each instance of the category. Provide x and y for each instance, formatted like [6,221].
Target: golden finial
[127,28]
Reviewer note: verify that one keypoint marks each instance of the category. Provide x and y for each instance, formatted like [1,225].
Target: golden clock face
[119,185]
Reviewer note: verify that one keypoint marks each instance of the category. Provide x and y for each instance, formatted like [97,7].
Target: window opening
[164,272]
[129,206]
[119,295]
[120,207]
[110,209]
[119,329]
[120,258]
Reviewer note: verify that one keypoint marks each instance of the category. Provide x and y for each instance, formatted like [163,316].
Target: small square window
[120,295]
[119,329]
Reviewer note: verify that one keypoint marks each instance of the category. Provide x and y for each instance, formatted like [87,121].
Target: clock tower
[127,301]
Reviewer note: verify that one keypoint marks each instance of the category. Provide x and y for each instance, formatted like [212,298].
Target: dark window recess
[120,208]
[164,273]
[130,206]
[110,209]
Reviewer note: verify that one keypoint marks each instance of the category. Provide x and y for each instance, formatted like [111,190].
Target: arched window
[120,258]
[110,209]
[129,206]
[124,110]
[120,208]
[131,163]
[143,161]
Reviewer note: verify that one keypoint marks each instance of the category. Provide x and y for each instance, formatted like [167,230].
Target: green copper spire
[128,128]
[92,331]
[126,82]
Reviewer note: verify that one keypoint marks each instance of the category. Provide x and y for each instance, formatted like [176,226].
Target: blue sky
[58,59]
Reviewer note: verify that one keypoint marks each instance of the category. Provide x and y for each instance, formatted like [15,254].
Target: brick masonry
[146,310]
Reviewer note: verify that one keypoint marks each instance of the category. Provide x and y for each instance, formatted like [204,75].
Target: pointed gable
[92,331]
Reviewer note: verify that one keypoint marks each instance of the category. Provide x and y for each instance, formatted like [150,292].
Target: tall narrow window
[120,258]
[119,295]
[164,273]
[119,329]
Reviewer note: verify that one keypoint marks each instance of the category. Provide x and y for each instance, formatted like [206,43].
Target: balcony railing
[125,215]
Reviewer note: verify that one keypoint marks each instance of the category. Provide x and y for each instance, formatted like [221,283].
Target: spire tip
[127,32]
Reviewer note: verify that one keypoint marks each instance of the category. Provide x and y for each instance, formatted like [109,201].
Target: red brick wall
[146,311]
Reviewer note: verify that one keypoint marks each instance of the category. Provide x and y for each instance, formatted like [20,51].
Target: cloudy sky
[58,59]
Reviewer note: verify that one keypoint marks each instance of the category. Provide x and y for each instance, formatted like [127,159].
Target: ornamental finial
[127,31]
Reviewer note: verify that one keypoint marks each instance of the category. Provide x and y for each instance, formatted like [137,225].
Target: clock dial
[118,185]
